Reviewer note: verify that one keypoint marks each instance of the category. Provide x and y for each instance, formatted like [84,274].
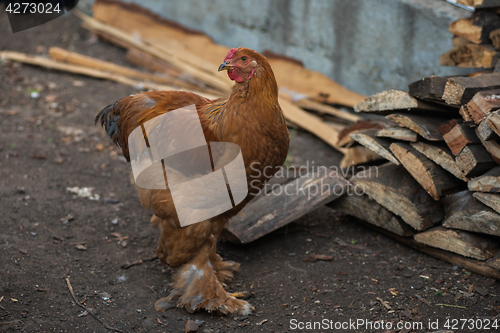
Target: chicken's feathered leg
[197,284]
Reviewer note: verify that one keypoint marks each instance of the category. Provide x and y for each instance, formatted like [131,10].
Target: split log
[277,208]
[442,156]
[491,200]
[495,38]
[484,132]
[429,88]
[483,103]
[380,146]
[474,160]
[489,182]
[391,100]
[487,269]
[366,209]
[493,121]
[465,213]
[492,147]
[397,133]
[395,189]
[471,56]
[426,127]
[436,181]
[476,28]
[460,242]
[460,90]
[457,135]
[357,155]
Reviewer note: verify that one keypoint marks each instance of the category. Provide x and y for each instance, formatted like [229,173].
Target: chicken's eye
[243,58]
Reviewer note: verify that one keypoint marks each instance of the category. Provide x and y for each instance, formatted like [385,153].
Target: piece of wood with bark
[474,160]
[471,56]
[435,180]
[488,182]
[483,103]
[442,156]
[457,135]
[491,200]
[467,244]
[366,209]
[463,212]
[477,27]
[460,90]
[429,88]
[378,145]
[493,121]
[395,189]
[427,127]
[397,133]
[274,209]
[391,101]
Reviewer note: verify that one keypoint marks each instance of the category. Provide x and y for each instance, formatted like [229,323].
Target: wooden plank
[465,213]
[309,104]
[366,209]
[436,181]
[474,160]
[357,155]
[395,189]
[460,90]
[480,3]
[284,204]
[426,127]
[442,156]
[488,182]
[429,88]
[491,200]
[476,28]
[397,133]
[380,146]
[483,103]
[471,56]
[200,48]
[484,132]
[487,269]
[460,242]
[457,135]
[493,121]
[391,100]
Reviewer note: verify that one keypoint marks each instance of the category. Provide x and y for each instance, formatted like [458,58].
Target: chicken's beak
[223,67]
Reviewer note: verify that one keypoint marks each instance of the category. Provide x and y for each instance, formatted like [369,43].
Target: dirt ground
[48,143]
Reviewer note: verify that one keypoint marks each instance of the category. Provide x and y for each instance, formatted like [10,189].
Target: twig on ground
[87,309]
[453,306]
[138,262]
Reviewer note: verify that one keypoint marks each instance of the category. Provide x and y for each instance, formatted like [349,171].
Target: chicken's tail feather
[109,118]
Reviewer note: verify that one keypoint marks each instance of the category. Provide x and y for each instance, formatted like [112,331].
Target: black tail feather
[109,117]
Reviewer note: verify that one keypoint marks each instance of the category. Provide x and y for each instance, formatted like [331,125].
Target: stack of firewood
[442,185]
[476,39]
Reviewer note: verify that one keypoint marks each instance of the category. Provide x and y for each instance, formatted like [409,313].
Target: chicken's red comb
[230,54]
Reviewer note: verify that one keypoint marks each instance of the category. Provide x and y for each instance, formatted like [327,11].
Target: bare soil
[48,143]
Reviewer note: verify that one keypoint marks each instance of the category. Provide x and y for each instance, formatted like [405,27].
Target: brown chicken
[251,118]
